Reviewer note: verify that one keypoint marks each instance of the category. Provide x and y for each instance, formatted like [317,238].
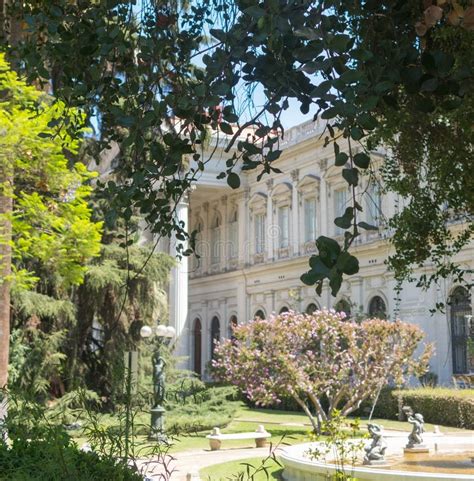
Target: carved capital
[295,174]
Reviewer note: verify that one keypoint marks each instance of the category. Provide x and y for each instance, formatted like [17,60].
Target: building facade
[254,244]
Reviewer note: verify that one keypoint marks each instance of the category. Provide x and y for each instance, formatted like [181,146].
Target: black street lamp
[163,335]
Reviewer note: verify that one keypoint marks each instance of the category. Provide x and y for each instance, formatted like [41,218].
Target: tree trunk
[315,423]
[6,206]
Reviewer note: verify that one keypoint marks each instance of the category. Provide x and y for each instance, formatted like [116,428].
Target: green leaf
[366,226]
[254,11]
[335,282]
[345,221]
[328,249]
[362,160]
[348,264]
[357,133]
[226,128]
[383,87]
[233,180]
[341,159]
[307,32]
[351,176]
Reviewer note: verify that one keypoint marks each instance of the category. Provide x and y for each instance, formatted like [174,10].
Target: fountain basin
[449,459]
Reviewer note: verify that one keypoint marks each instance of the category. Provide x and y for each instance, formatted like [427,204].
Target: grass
[231,469]
[293,427]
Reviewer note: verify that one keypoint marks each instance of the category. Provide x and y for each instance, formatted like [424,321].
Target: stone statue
[415,439]
[375,451]
[159,379]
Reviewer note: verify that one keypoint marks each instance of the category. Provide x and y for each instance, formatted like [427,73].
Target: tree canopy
[160,75]
[317,358]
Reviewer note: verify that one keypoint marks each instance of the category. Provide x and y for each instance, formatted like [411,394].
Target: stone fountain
[426,457]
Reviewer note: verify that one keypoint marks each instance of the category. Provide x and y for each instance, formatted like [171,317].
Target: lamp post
[163,335]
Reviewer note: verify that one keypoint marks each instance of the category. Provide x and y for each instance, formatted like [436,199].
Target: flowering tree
[312,356]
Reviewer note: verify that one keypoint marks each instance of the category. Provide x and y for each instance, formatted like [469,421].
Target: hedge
[443,406]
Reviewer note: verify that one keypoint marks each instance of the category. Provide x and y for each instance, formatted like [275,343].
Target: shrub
[449,407]
[444,406]
[58,460]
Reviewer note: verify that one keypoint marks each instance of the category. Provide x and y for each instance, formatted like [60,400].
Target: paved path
[193,461]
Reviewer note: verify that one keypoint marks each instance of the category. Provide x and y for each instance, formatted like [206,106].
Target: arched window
[377,308]
[343,305]
[216,240]
[284,309]
[197,338]
[259,314]
[198,246]
[462,333]
[312,308]
[215,334]
[260,220]
[232,323]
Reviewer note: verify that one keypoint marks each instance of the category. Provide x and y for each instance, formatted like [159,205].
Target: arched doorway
[197,348]
[312,308]
[283,310]
[343,305]
[377,308]
[232,323]
[259,315]
[461,331]
[215,334]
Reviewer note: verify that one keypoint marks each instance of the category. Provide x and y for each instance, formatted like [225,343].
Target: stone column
[224,248]
[270,228]
[295,217]
[243,218]
[324,209]
[178,289]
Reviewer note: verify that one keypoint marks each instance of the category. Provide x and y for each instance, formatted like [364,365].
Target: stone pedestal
[157,432]
[375,462]
[421,448]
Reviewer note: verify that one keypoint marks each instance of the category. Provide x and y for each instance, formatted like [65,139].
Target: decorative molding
[295,175]
[269,184]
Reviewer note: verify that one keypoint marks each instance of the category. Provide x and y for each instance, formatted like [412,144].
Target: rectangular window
[260,233]
[373,203]
[340,200]
[309,220]
[283,219]
[233,240]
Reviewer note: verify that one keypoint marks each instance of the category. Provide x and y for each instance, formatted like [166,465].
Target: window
[462,333]
[259,314]
[197,335]
[312,308]
[340,200]
[373,204]
[283,235]
[309,220]
[343,305]
[216,240]
[233,236]
[198,247]
[377,308]
[232,323]
[260,233]
[215,334]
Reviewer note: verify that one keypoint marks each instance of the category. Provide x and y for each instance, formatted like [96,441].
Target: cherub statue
[418,427]
[375,451]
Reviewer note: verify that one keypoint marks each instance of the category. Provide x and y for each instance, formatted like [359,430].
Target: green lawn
[263,470]
[285,427]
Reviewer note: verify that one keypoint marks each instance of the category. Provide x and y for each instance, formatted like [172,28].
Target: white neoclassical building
[254,244]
